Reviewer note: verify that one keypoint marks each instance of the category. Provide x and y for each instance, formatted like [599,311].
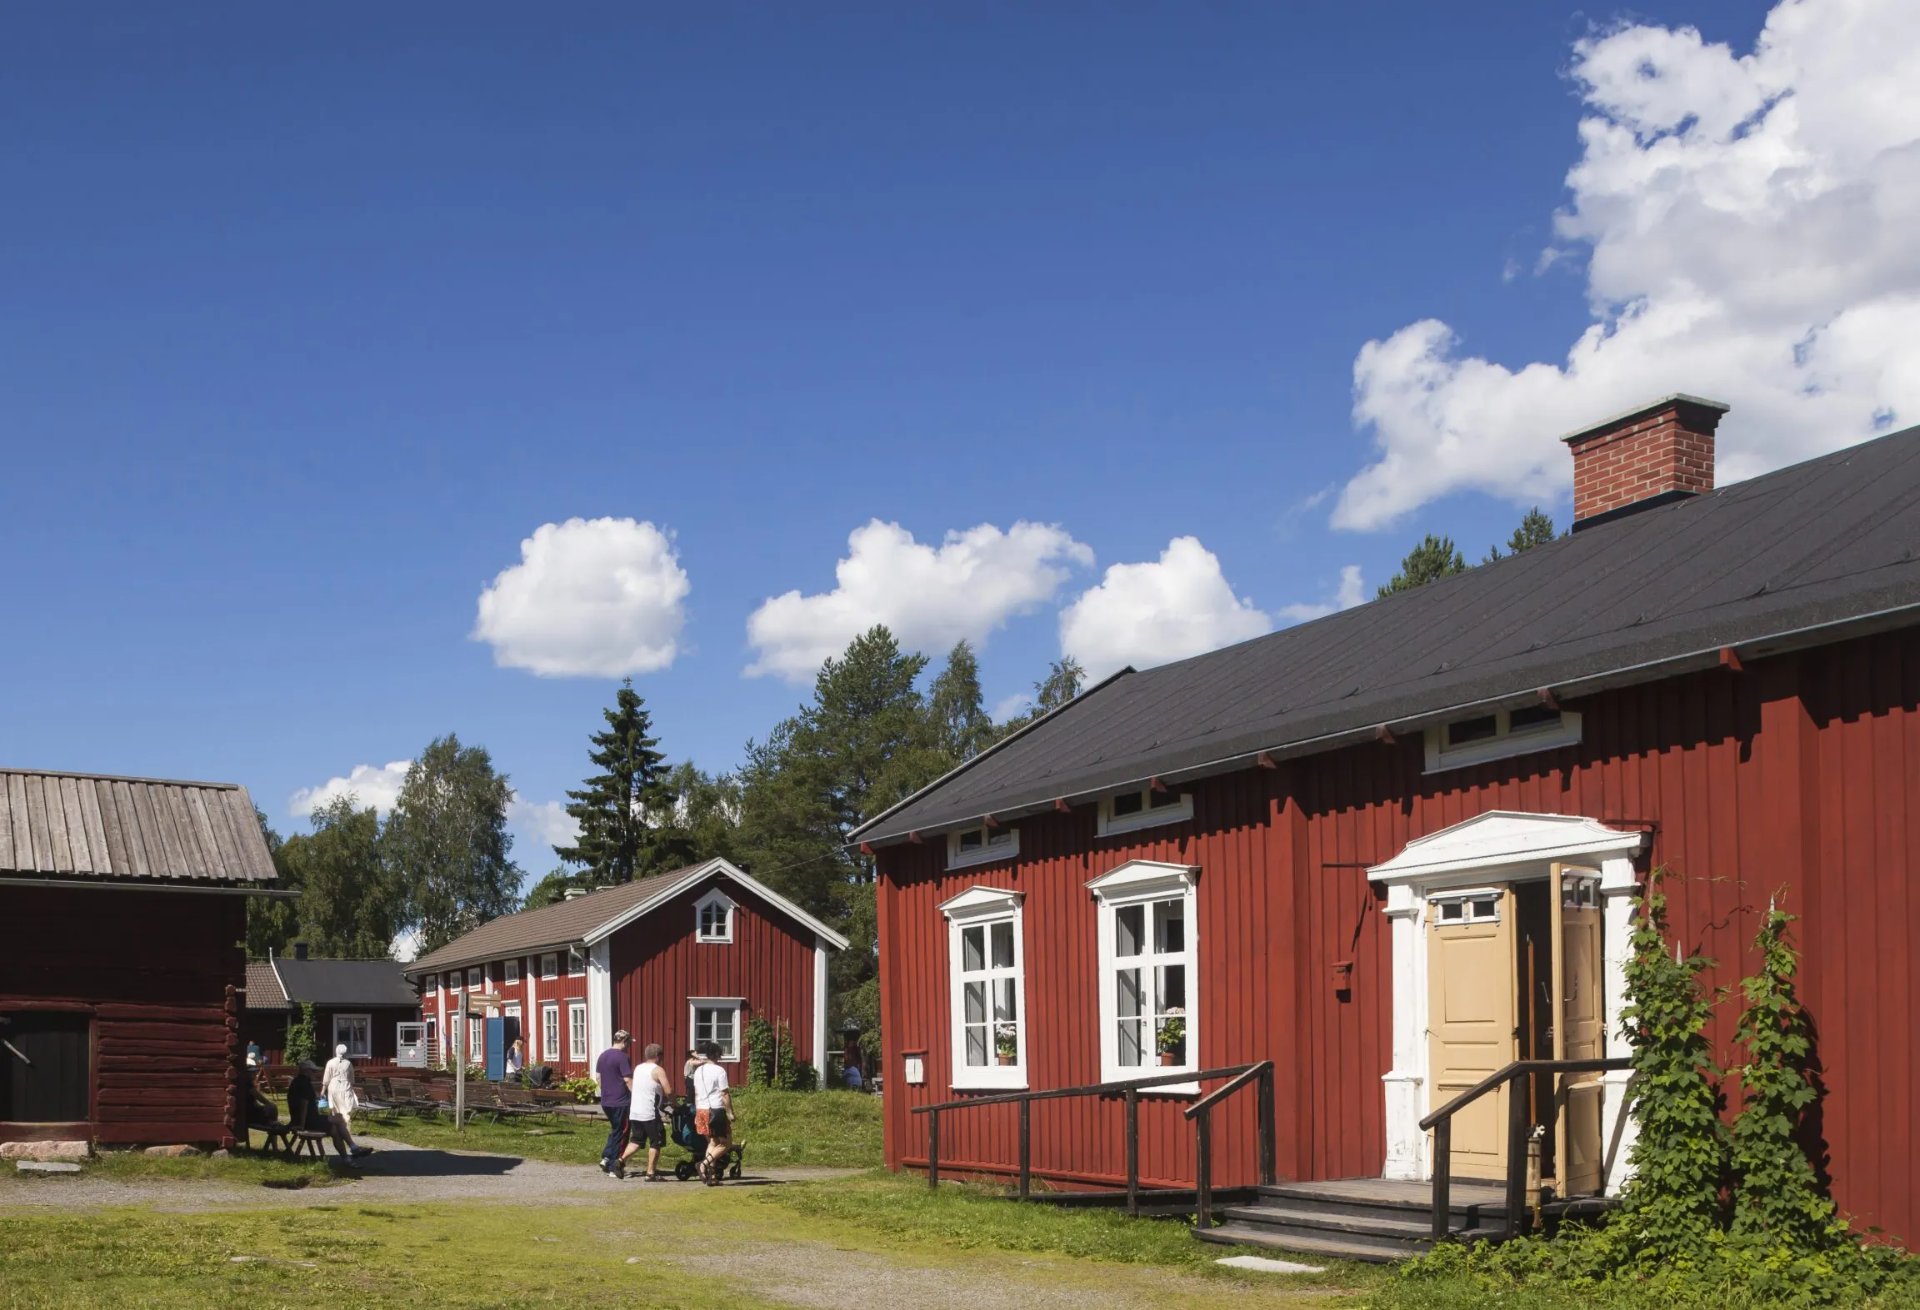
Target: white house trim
[820,1010]
[599,1000]
[982,907]
[718,898]
[1500,846]
[692,878]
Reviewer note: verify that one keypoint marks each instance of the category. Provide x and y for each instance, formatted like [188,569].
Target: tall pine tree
[1536,529]
[624,809]
[1433,559]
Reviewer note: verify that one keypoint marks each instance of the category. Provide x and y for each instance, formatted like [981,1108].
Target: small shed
[359,1004]
[122,922]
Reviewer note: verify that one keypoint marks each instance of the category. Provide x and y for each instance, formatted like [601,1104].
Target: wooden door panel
[1586,1039]
[47,1075]
[1470,1019]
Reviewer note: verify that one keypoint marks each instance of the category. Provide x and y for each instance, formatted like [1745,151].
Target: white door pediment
[1502,838]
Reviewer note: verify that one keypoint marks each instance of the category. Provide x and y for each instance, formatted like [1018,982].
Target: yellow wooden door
[1471,1018]
[1583,1016]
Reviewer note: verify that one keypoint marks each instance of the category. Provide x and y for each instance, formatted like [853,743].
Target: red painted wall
[657,964]
[562,989]
[1800,772]
[154,970]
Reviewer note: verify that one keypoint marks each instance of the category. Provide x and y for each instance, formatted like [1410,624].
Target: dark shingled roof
[559,924]
[95,827]
[1828,542]
[344,982]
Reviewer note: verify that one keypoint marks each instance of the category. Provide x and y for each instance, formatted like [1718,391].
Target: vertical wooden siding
[657,964]
[1799,774]
[152,969]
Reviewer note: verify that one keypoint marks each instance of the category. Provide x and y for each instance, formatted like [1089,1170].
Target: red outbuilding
[122,950]
[685,956]
[1397,848]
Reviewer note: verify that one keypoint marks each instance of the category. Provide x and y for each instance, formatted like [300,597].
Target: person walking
[712,1111]
[651,1092]
[615,1074]
[304,1113]
[336,1085]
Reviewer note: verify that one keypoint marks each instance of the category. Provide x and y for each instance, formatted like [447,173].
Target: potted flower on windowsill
[1006,1043]
[1171,1040]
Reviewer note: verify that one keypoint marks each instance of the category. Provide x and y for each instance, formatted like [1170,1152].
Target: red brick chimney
[1645,457]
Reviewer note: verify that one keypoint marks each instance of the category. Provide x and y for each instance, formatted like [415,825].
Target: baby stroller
[686,1136]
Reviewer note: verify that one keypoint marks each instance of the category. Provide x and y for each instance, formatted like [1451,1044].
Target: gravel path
[396,1172]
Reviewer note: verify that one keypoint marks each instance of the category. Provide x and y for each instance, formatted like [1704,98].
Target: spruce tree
[1536,529]
[961,725]
[1776,1197]
[1433,559]
[621,809]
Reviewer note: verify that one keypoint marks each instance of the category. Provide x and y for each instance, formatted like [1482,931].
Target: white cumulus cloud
[1156,612]
[589,598]
[376,785]
[1351,591]
[547,822]
[930,596]
[1748,222]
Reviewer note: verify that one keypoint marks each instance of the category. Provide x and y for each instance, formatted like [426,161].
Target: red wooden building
[122,923]
[363,1005]
[684,956]
[1388,848]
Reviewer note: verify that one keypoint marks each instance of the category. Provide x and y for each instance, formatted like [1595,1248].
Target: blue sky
[311,318]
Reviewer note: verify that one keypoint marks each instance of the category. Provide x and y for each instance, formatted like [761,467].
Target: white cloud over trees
[589,598]
[968,586]
[372,785]
[1748,224]
[1158,611]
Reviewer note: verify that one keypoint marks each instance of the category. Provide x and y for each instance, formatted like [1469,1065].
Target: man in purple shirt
[615,1072]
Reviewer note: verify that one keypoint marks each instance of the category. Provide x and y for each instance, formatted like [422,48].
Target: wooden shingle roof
[74,826]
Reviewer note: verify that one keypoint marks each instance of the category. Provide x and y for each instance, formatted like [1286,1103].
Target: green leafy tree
[551,888]
[1065,679]
[1536,529]
[273,922]
[449,842]
[1776,1196]
[962,728]
[352,904]
[706,814]
[620,810]
[1671,1208]
[1433,559]
[299,1041]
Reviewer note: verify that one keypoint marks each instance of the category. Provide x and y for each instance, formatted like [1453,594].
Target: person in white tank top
[651,1091]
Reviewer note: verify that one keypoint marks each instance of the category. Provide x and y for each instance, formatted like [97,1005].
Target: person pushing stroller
[712,1113]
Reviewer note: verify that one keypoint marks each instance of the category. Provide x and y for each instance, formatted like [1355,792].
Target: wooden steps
[1373,1219]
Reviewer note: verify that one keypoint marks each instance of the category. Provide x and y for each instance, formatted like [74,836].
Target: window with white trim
[550,965]
[1148,969]
[549,1032]
[1498,734]
[1143,807]
[981,844]
[355,1032]
[513,973]
[1481,905]
[713,917]
[717,1019]
[476,1040]
[987,988]
[453,981]
[577,1031]
[576,962]
[473,980]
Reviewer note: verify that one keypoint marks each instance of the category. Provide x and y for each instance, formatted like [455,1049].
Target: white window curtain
[986,965]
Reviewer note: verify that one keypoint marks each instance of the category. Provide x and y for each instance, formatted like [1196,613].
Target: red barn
[122,948]
[684,956]
[1389,848]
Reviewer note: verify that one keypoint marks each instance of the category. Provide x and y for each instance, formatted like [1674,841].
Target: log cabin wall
[1798,773]
[152,971]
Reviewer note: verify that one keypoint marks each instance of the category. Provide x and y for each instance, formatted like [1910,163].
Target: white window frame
[1149,816]
[1506,741]
[714,900]
[997,842]
[366,1026]
[736,1004]
[453,980]
[475,978]
[1467,900]
[550,965]
[512,978]
[549,1052]
[576,1032]
[476,1052]
[982,908]
[1142,882]
[576,962]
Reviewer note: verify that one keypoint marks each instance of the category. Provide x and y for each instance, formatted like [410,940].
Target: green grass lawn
[243,1168]
[777,1128]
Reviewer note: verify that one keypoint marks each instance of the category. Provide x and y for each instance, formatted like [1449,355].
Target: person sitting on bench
[303,1109]
[261,1112]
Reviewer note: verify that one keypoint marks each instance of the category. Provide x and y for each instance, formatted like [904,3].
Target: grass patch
[244,1169]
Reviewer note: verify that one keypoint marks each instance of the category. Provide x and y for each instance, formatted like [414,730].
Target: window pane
[1532,716]
[1458,734]
[1003,945]
[1003,1011]
[1000,837]
[1170,988]
[1486,909]
[1169,927]
[1128,802]
[1161,800]
[723,1028]
[973,1000]
[1130,1043]
[970,841]
[1129,1000]
[977,1045]
[973,949]
[1129,930]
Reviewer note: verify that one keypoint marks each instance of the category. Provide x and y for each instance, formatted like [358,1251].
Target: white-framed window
[1498,734]
[576,962]
[981,844]
[550,965]
[717,1019]
[513,973]
[1149,979]
[1143,807]
[453,981]
[577,1031]
[549,1033]
[473,980]
[476,1040]
[355,1031]
[713,917]
[986,964]
[1478,905]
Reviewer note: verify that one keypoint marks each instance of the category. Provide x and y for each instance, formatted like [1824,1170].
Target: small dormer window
[1478,738]
[981,844]
[1143,807]
[713,917]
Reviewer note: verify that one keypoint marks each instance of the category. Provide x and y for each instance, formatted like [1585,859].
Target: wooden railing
[1200,1112]
[1441,1123]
